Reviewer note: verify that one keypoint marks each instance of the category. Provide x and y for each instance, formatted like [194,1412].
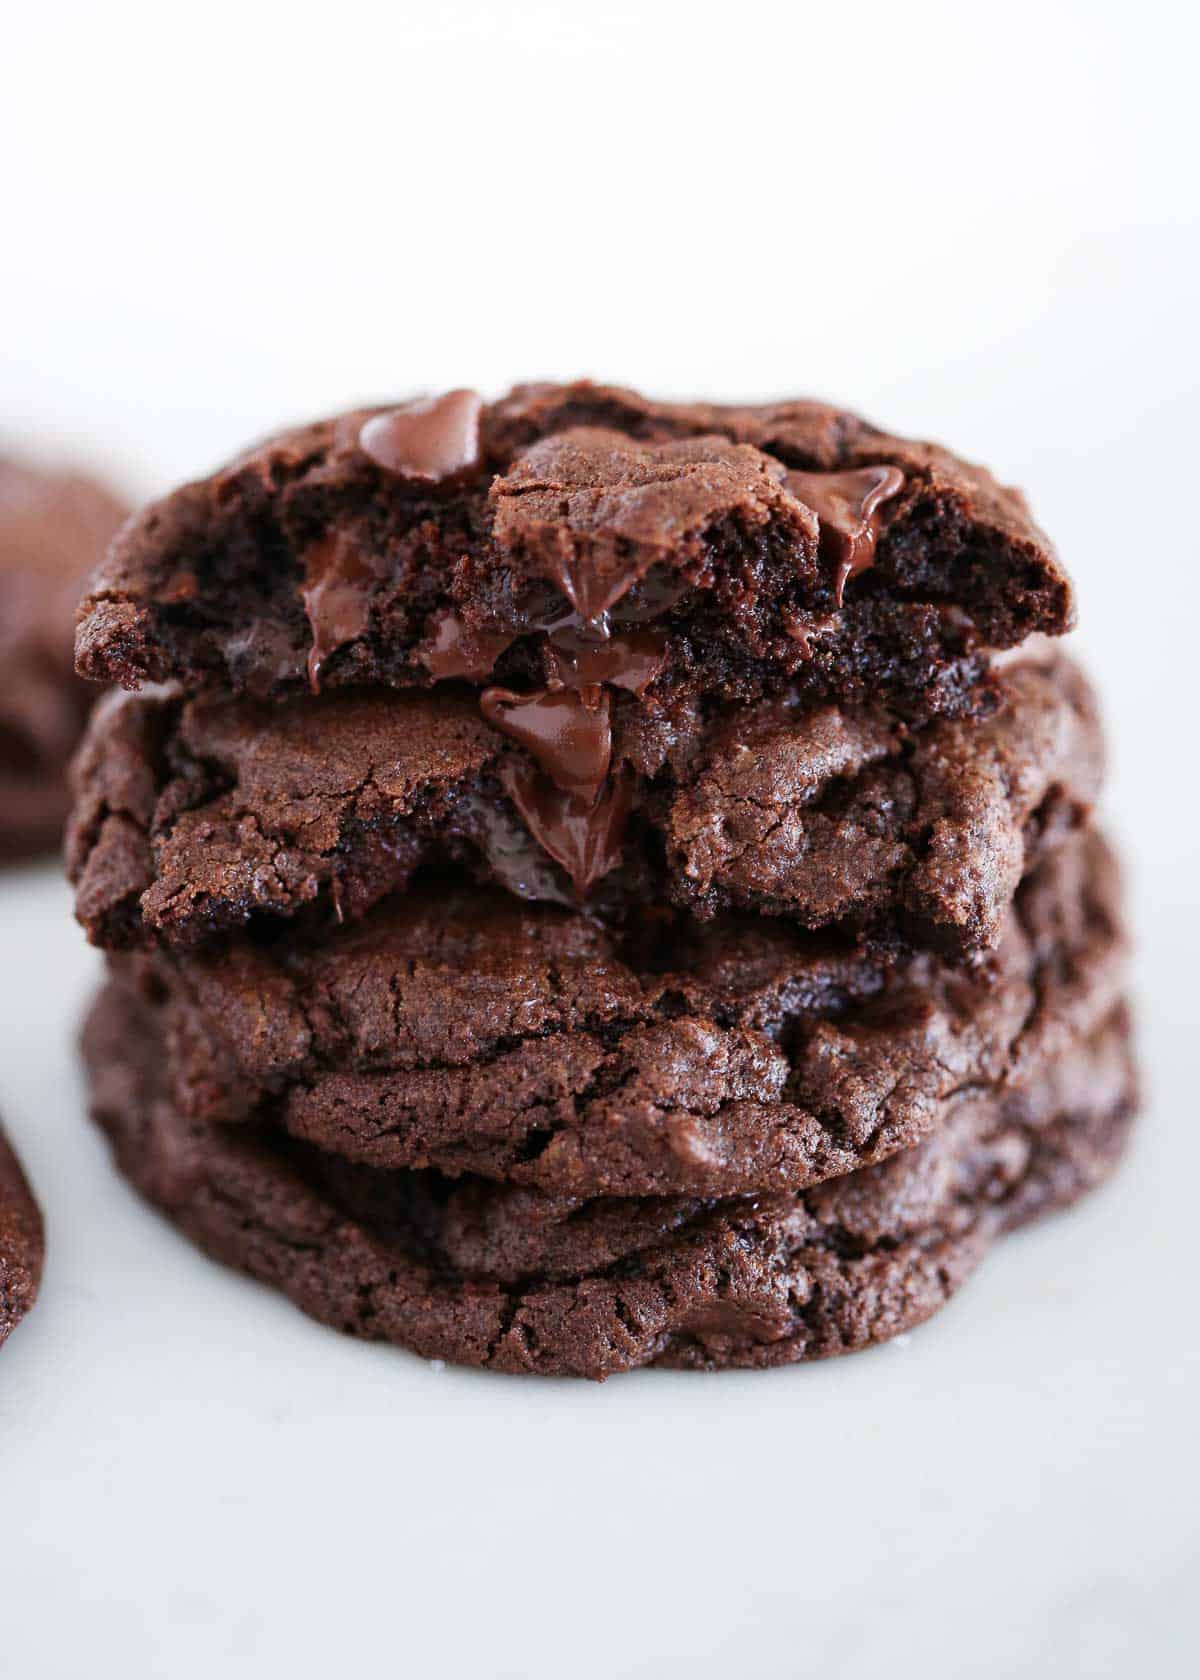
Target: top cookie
[579,539]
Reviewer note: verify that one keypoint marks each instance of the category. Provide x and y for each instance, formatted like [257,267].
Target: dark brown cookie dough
[835,815]
[22,1242]
[195,817]
[467,1032]
[575,536]
[54,526]
[450,1273]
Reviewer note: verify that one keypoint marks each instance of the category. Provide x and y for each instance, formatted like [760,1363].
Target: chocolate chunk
[339,580]
[454,651]
[573,808]
[583,834]
[434,438]
[568,734]
[633,661]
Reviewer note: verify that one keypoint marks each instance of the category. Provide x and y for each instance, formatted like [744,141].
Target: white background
[974,222]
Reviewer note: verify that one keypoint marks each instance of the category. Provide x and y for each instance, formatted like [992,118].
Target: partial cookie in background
[54,528]
[22,1242]
[482,1274]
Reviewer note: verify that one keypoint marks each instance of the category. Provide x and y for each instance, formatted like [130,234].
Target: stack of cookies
[592,882]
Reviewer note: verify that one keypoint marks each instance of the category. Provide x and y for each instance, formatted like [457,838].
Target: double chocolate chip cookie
[197,816]
[586,887]
[581,535]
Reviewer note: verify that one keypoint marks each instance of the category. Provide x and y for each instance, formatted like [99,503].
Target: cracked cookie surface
[786,545]
[468,1032]
[457,1272]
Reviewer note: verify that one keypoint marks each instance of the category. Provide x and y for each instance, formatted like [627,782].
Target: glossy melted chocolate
[632,661]
[572,804]
[583,836]
[569,734]
[339,577]
[847,508]
[571,800]
[432,439]
[455,651]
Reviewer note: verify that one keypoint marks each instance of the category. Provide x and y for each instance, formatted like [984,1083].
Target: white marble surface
[195,1480]
[978,226]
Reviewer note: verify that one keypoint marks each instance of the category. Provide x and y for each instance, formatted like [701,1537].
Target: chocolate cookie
[465,1031]
[22,1242]
[53,528]
[575,541]
[458,1273]
[195,817]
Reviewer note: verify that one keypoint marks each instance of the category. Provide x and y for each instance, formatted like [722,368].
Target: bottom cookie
[480,1274]
[22,1242]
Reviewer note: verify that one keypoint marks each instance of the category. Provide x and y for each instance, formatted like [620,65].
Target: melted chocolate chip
[456,651]
[555,616]
[569,734]
[432,439]
[650,597]
[516,858]
[581,654]
[583,836]
[339,578]
[571,805]
[632,661]
[590,594]
[847,506]
[803,626]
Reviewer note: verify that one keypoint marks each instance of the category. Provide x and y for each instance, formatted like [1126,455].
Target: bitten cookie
[578,536]
[602,571]
[196,817]
[22,1242]
[458,1273]
[53,529]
